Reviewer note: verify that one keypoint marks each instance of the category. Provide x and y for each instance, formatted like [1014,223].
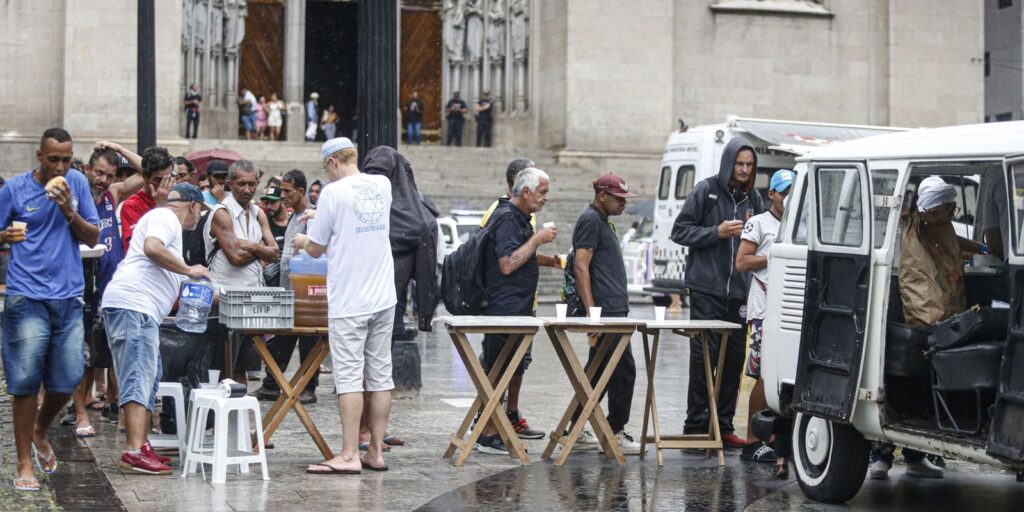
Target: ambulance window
[1017,208]
[839,207]
[684,181]
[970,206]
[883,184]
[666,175]
[800,232]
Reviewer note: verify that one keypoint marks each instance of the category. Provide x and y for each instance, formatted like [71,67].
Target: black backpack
[193,248]
[570,293]
[462,275]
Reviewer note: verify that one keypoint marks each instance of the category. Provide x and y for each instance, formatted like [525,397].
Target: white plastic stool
[174,391]
[230,436]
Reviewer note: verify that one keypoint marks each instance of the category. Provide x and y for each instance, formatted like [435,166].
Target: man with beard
[107,195]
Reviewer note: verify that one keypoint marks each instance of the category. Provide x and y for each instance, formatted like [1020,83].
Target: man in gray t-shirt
[293,195]
[992,215]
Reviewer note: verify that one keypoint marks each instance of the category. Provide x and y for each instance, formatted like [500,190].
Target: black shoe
[307,397]
[70,418]
[407,334]
[110,412]
[266,395]
[492,445]
[522,428]
[758,452]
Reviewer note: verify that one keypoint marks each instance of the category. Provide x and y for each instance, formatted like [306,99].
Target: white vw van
[837,358]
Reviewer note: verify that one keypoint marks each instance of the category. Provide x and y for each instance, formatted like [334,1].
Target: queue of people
[162,236]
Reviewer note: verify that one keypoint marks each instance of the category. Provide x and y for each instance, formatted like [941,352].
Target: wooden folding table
[702,329]
[290,390]
[490,386]
[617,333]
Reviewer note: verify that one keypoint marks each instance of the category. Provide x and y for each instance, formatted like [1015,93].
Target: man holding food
[46,213]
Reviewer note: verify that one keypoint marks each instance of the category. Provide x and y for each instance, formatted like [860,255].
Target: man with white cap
[352,226]
[931,279]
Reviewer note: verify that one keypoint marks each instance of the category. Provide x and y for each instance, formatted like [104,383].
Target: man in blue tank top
[101,170]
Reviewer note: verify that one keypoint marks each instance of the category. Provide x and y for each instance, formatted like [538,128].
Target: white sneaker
[924,469]
[879,470]
[586,441]
[626,444]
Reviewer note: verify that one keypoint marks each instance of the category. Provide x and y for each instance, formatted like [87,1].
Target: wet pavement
[420,479]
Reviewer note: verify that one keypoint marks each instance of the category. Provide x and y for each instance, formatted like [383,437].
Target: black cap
[272,192]
[217,167]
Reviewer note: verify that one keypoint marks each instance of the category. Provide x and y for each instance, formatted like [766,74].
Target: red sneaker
[732,440]
[148,451]
[140,463]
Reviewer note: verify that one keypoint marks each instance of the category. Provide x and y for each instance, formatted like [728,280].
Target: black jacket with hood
[413,228]
[711,261]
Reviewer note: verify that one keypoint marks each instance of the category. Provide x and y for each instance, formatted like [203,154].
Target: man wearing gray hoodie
[709,224]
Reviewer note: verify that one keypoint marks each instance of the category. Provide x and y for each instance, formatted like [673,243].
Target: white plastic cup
[659,313]
[549,225]
[19,225]
[561,310]
[214,376]
[595,314]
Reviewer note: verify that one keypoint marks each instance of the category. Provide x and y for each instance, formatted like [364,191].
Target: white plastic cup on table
[659,313]
[214,376]
[595,314]
[561,310]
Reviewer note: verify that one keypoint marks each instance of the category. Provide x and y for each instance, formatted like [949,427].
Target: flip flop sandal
[781,471]
[365,445]
[393,440]
[330,470]
[26,484]
[41,461]
[84,432]
[373,468]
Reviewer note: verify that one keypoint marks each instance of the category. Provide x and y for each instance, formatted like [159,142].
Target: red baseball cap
[614,185]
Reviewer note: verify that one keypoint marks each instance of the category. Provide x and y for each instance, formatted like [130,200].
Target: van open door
[838,285]
[1006,437]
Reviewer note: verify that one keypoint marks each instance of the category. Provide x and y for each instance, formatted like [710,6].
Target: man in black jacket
[710,224]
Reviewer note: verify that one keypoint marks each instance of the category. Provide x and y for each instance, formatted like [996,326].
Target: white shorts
[361,350]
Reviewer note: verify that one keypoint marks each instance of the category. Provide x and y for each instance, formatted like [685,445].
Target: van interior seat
[968,368]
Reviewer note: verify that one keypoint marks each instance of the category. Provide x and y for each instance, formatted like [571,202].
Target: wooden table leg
[477,406]
[712,384]
[493,397]
[590,369]
[289,399]
[651,406]
[587,395]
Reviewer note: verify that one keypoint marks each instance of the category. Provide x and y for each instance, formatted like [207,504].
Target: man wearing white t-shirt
[139,296]
[352,227]
[758,235]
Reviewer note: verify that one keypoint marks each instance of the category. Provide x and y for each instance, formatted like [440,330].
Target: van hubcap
[817,441]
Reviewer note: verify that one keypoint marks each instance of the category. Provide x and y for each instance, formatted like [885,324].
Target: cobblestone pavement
[420,479]
[10,498]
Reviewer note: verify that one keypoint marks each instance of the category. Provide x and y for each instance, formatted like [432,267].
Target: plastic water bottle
[194,305]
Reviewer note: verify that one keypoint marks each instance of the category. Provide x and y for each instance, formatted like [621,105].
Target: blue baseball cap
[781,180]
[188,193]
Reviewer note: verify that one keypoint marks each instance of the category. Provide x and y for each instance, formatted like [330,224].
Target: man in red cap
[601,281]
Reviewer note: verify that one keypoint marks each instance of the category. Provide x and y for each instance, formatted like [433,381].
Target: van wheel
[831,459]
[662,300]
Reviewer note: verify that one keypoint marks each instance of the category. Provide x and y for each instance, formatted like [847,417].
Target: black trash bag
[186,360]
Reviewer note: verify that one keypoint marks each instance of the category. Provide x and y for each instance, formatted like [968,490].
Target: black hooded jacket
[711,261]
[413,228]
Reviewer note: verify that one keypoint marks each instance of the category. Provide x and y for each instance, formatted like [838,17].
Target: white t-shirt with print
[353,222]
[760,229]
[139,284]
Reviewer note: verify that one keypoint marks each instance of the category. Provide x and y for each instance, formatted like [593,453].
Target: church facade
[600,81]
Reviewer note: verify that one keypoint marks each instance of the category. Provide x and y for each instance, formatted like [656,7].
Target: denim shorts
[43,341]
[135,345]
[249,122]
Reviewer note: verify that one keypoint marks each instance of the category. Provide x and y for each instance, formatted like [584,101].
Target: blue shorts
[249,122]
[135,345]
[43,342]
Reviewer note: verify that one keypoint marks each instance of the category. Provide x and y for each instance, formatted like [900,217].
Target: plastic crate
[256,307]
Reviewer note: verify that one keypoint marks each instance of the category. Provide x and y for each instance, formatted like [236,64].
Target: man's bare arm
[223,232]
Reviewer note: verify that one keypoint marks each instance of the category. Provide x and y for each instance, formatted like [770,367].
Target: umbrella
[202,159]
[644,208]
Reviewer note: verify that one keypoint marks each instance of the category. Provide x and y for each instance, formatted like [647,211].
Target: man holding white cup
[601,282]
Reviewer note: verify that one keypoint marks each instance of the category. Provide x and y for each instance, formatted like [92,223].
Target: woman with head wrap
[413,238]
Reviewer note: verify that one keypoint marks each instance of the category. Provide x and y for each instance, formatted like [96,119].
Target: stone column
[294,68]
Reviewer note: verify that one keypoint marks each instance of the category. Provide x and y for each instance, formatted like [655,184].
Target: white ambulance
[694,154]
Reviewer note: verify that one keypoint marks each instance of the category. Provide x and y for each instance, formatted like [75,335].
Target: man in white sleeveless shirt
[237,239]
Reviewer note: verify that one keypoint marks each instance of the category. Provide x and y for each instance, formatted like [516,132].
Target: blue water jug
[194,305]
[304,264]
